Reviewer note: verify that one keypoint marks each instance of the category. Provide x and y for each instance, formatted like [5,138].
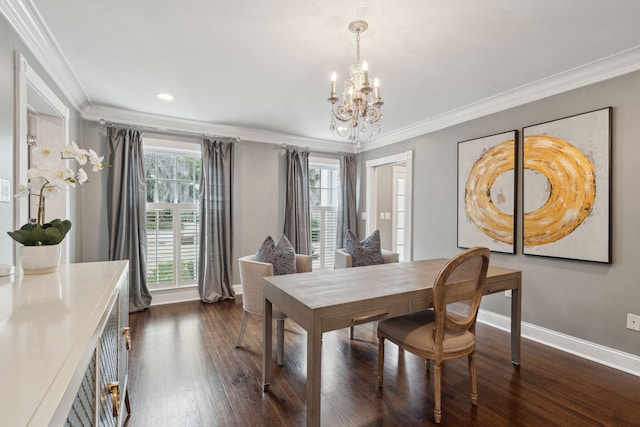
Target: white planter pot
[40,259]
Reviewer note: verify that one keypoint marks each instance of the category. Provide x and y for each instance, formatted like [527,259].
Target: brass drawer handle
[113,389]
[126,331]
[369,318]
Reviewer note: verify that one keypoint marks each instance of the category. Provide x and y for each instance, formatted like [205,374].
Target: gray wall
[12,43]
[584,300]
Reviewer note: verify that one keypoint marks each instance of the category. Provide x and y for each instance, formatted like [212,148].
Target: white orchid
[96,161]
[82,176]
[50,172]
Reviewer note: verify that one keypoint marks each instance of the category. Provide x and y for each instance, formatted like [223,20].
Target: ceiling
[266,65]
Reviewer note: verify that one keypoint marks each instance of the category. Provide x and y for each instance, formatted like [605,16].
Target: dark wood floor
[185,371]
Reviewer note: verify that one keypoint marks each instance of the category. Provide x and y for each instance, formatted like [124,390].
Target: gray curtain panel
[126,210]
[297,215]
[347,215]
[215,278]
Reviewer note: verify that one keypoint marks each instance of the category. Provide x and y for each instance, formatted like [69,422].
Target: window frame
[177,148]
[324,261]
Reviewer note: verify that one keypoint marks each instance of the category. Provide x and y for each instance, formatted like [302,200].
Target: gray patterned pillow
[366,252]
[281,255]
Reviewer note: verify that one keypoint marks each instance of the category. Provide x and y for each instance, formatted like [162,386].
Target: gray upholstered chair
[251,274]
[449,330]
[344,260]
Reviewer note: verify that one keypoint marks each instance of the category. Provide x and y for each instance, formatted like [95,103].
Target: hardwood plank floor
[185,371]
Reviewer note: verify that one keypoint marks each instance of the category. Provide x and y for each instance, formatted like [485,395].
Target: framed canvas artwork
[567,187]
[487,192]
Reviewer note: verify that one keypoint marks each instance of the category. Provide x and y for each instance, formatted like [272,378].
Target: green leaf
[40,235]
[15,235]
[28,227]
[54,236]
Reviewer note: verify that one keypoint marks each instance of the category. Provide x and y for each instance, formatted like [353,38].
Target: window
[323,201]
[173,215]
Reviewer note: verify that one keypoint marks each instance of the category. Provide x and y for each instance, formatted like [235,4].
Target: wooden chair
[447,331]
[344,260]
[251,274]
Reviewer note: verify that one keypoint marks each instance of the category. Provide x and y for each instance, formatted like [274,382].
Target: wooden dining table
[333,299]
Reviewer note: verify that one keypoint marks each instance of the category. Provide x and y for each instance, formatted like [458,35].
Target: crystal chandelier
[358,114]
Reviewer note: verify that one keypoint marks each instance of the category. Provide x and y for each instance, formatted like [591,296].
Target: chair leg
[280,338]
[380,360]
[474,381]
[245,316]
[437,413]
[351,333]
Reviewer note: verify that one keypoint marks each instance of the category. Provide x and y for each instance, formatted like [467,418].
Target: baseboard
[171,296]
[237,289]
[622,361]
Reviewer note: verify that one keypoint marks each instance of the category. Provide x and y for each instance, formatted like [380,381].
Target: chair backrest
[251,274]
[457,292]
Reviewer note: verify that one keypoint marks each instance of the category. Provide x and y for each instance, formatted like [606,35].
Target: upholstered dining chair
[344,260]
[251,274]
[447,331]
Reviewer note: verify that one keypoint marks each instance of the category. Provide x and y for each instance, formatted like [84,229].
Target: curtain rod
[285,146]
[165,131]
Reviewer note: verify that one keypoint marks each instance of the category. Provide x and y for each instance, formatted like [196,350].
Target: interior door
[389,201]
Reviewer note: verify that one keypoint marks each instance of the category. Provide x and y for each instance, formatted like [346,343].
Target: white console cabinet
[64,339]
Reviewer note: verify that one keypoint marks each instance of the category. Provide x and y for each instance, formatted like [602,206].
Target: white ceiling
[266,64]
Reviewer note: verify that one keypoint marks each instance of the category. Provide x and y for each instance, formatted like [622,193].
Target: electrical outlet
[507,293]
[633,322]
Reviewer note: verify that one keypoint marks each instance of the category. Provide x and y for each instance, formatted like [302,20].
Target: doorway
[41,119]
[388,201]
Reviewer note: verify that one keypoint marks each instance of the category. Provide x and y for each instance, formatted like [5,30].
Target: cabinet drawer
[344,320]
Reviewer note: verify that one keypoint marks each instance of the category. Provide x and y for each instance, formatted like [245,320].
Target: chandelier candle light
[359,110]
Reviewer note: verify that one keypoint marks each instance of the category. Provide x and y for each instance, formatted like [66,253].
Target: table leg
[314,358]
[516,317]
[267,363]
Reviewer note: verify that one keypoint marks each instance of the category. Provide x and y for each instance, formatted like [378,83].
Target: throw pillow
[366,252]
[281,255]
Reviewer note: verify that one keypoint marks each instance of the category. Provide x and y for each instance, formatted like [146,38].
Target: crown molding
[27,22]
[604,69]
[168,124]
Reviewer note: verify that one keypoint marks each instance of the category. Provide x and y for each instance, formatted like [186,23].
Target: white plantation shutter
[160,245]
[189,244]
[323,236]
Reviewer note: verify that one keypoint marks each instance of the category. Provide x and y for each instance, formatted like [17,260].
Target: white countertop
[47,333]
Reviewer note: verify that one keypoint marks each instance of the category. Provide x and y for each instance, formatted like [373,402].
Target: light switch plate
[5,191]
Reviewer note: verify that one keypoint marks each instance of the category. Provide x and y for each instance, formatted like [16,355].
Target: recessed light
[165,96]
